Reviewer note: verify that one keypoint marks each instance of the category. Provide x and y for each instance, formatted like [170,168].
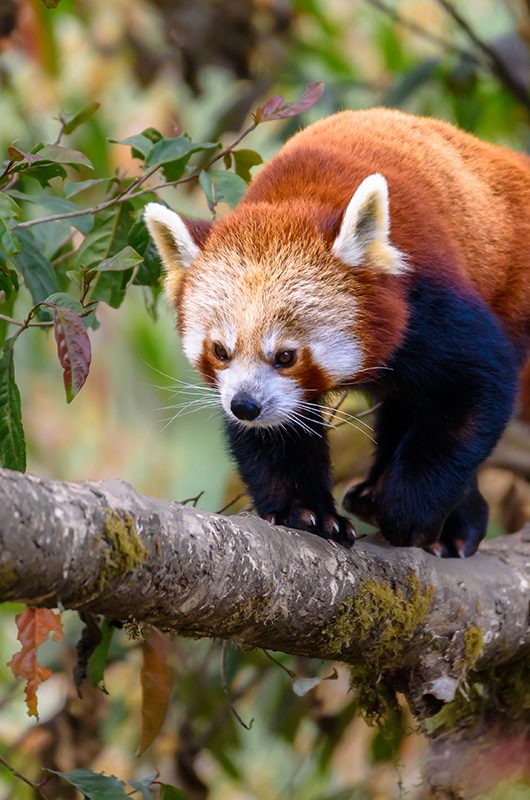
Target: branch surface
[103,547]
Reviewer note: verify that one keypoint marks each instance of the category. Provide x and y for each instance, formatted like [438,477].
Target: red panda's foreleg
[448,397]
[287,473]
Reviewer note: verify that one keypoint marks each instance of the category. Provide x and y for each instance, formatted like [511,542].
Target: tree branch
[417,621]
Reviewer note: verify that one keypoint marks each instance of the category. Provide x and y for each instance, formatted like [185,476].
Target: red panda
[377,250]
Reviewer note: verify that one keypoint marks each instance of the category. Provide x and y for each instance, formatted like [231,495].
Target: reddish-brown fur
[451,195]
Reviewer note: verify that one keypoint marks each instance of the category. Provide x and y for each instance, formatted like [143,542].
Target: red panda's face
[271,311]
[271,333]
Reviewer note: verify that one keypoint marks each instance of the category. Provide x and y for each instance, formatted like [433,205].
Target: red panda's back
[454,200]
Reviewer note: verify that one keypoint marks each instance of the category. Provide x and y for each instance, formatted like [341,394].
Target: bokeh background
[201,67]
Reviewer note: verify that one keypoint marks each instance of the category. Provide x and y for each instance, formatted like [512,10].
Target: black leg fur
[288,476]
[447,400]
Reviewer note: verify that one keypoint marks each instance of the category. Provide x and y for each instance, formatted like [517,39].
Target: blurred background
[202,67]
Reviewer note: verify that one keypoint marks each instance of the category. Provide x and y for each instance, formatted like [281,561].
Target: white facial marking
[278,396]
[337,353]
[193,342]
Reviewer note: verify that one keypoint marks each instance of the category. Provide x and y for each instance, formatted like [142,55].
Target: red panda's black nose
[243,406]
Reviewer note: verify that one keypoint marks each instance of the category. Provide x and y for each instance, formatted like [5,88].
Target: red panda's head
[277,303]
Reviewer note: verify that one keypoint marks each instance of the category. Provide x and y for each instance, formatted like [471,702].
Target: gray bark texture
[417,622]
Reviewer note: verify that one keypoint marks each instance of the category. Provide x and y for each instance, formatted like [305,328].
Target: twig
[337,406]
[192,500]
[496,63]
[132,195]
[231,503]
[226,690]
[26,324]
[20,776]
[419,30]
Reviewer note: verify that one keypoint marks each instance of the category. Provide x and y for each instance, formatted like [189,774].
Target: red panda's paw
[359,500]
[328,525]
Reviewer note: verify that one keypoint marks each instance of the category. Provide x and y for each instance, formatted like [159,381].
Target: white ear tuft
[171,237]
[364,234]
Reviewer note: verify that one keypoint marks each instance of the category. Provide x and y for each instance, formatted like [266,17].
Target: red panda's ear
[177,241]
[364,235]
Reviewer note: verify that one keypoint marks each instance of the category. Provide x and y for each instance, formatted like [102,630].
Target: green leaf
[59,205]
[98,660]
[144,787]
[244,160]
[38,273]
[63,155]
[75,120]
[168,792]
[126,258]
[150,270]
[71,188]
[111,287]
[93,785]
[9,209]
[12,442]
[173,155]
[140,145]
[108,236]
[73,349]
[44,172]
[65,300]
[228,186]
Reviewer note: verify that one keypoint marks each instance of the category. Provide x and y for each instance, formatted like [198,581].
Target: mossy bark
[445,632]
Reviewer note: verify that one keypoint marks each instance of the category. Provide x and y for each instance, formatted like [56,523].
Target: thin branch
[419,30]
[496,63]
[21,777]
[132,194]
[24,325]
[232,502]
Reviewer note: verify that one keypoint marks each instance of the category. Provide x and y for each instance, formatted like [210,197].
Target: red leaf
[73,349]
[157,679]
[277,108]
[34,626]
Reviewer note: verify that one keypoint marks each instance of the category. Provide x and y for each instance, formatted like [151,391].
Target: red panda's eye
[220,352]
[285,358]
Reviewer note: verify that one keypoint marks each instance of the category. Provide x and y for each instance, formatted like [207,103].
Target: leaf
[140,145]
[108,236]
[173,155]
[98,660]
[157,679]
[150,270]
[278,108]
[65,301]
[44,172]
[72,188]
[144,787]
[60,205]
[12,442]
[73,349]
[34,626]
[9,209]
[63,155]
[244,160]
[126,258]
[16,154]
[168,792]
[37,271]
[110,287]
[93,785]
[73,121]
[228,187]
